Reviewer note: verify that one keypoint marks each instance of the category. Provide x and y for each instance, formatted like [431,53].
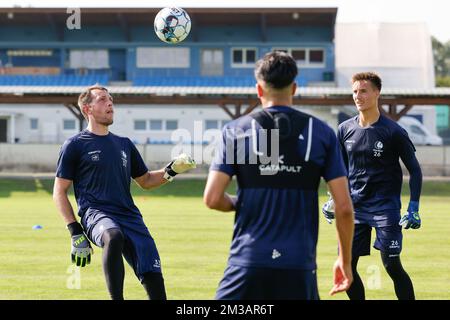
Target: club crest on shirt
[378,149]
[124,158]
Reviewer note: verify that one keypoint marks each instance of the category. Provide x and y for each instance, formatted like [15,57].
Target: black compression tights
[113,267]
[113,241]
[153,283]
[356,290]
[402,283]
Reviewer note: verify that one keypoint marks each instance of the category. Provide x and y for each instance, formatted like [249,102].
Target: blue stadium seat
[53,80]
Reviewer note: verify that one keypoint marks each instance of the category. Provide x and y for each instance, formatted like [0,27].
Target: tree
[441,55]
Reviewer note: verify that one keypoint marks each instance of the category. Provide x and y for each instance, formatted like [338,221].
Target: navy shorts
[139,248]
[248,283]
[388,240]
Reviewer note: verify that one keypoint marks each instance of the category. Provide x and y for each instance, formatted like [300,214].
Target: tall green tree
[441,55]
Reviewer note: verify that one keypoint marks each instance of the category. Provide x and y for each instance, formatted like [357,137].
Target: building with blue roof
[118,47]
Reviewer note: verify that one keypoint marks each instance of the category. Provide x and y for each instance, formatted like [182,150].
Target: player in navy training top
[372,145]
[273,251]
[101,165]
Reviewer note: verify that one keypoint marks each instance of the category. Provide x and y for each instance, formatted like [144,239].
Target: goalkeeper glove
[412,218]
[180,164]
[81,247]
[328,209]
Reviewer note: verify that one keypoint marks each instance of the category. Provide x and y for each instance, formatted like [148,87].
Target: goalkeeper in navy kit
[101,165]
[372,145]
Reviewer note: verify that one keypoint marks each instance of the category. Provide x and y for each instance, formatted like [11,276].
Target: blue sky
[435,13]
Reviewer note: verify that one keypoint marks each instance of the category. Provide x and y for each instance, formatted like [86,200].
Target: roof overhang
[216,95]
[200,16]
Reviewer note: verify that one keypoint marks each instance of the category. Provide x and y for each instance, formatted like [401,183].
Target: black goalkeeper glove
[81,247]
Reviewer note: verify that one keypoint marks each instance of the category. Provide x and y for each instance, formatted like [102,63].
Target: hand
[180,164]
[81,250]
[328,209]
[412,218]
[342,277]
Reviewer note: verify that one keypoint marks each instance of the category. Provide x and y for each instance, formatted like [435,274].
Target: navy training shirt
[372,155]
[276,221]
[101,168]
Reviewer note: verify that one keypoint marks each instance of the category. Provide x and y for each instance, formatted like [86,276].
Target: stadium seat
[53,80]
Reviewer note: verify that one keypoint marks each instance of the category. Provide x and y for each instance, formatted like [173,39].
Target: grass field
[193,242]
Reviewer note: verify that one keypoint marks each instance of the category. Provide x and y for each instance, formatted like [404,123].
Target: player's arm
[343,210]
[81,248]
[60,189]
[407,153]
[156,178]
[151,179]
[215,196]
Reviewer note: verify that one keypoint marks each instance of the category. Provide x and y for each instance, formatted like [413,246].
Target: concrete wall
[435,161]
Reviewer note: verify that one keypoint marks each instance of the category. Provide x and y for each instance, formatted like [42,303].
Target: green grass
[193,242]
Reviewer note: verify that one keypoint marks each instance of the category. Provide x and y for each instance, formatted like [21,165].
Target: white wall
[401,53]
[51,117]
[50,124]
[435,161]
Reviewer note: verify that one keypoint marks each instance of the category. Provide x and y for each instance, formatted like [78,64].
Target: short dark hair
[277,69]
[368,76]
[86,97]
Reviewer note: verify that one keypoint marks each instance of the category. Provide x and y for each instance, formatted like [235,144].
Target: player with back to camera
[101,165]
[273,250]
[372,145]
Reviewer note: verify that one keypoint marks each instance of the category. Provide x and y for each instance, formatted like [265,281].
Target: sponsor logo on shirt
[275,254]
[349,144]
[280,167]
[95,155]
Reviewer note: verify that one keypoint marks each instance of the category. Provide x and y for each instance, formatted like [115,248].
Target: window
[171,124]
[237,56]
[316,56]
[299,56]
[250,56]
[243,57]
[140,125]
[69,124]
[89,59]
[155,124]
[163,57]
[306,57]
[211,62]
[211,124]
[34,124]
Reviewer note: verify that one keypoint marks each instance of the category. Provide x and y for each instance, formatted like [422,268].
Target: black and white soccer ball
[172,25]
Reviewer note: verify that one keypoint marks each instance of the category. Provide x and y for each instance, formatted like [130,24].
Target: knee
[113,238]
[393,265]
[152,277]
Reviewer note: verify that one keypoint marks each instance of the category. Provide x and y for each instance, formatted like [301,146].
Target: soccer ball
[172,25]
